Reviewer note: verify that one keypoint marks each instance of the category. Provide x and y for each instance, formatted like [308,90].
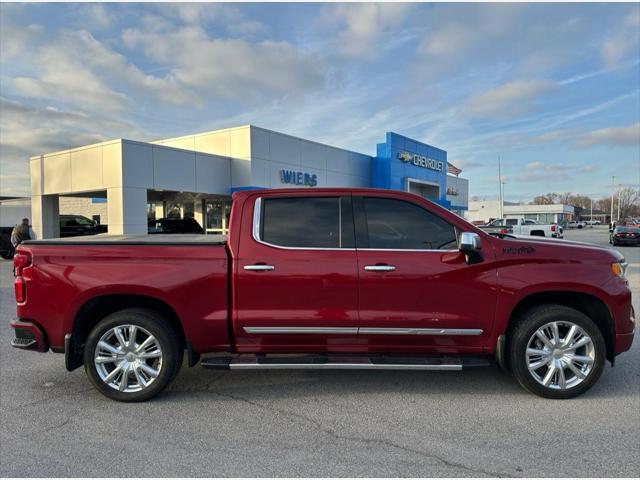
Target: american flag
[453,169]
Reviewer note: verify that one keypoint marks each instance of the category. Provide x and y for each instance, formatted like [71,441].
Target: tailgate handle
[379,268]
[259,267]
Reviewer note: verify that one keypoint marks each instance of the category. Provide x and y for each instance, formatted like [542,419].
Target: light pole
[613,179]
[591,213]
[619,192]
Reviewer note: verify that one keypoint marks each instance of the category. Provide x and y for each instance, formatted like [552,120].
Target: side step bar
[341,362]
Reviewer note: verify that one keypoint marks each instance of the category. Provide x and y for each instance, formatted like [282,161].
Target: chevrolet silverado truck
[325,279]
[523,226]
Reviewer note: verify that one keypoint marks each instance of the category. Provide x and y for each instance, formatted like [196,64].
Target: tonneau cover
[154,239]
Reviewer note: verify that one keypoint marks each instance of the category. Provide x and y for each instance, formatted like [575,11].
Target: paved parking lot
[308,423]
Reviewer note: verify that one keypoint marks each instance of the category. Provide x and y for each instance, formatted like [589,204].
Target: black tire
[526,327]
[167,338]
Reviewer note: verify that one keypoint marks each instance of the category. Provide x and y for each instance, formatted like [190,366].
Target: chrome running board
[341,362]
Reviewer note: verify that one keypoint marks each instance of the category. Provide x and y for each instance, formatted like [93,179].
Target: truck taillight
[20,261]
[21,289]
[504,231]
[553,228]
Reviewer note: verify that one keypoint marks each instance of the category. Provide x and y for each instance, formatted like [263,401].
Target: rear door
[416,291]
[297,287]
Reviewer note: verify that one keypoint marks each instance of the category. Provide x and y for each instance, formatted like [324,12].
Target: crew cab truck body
[325,278]
[523,226]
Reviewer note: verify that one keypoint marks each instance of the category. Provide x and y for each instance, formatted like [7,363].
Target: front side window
[307,222]
[396,224]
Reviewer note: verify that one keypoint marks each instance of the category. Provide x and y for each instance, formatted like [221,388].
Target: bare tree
[629,199]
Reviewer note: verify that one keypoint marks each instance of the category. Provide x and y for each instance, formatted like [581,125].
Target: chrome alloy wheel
[128,358]
[560,355]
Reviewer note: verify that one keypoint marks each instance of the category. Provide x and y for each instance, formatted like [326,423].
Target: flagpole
[500,185]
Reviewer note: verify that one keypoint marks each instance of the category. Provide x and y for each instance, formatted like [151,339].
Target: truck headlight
[619,268]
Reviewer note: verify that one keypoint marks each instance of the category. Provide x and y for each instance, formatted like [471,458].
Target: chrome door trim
[366,330]
[419,331]
[314,330]
[379,268]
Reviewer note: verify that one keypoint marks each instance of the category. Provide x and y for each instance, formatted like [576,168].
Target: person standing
[20,233]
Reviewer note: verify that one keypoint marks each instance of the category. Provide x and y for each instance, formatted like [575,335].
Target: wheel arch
[586,303]
[96,308]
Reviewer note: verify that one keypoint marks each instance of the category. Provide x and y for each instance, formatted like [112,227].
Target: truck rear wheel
[132,355]
[556,352]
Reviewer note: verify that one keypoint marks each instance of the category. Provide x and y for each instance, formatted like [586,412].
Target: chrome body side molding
[366,330]
[317,330]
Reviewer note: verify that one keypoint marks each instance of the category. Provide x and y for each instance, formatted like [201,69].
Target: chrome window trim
[257,217]
[442,250]
[367,330]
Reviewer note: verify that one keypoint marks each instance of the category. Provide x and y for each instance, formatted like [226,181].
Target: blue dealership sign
[294,177]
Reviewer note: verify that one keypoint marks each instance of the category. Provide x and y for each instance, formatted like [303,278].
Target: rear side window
[307,222]
[512,221]
[400,225]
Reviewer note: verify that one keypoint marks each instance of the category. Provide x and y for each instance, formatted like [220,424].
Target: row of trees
[629,199]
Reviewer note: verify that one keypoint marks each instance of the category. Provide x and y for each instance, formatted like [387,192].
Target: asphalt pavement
[316,423]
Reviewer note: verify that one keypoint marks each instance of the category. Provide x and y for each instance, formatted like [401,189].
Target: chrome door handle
[379,268]
[259,268]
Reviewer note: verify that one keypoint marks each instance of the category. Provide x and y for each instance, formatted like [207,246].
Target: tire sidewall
[526,328]
[154,324]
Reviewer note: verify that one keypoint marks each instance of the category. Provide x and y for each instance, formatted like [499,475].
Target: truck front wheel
[556,351]
[132,355]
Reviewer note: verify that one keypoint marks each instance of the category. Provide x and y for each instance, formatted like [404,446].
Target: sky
[553,89]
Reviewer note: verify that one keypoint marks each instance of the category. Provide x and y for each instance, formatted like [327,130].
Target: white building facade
[195,175]
[486,210]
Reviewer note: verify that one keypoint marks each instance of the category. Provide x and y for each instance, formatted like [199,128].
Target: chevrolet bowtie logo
[405,156]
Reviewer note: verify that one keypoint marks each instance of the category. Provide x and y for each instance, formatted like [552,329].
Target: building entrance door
[424,189]
[217,216]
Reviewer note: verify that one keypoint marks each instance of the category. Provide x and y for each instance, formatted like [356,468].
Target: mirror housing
[471,245]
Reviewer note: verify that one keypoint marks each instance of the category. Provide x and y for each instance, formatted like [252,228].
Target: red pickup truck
[325,279]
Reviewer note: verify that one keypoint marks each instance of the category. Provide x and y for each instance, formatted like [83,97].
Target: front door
[416,291]
[297,275]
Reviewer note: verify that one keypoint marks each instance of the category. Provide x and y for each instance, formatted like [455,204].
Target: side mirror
[471,246]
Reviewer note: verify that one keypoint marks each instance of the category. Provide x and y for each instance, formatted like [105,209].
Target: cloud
[365,23]
[78,70]
[223,15]
[619,136]
[230,68]
[509,100]
[625,40]
[27,130]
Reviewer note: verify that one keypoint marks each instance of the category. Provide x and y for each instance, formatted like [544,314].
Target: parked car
[6,249]
[523,226]
[592,222]
[78,225]
[576,224]
[327,279]
[625,236]
[174,225]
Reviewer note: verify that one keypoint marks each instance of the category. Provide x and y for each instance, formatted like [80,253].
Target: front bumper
[624,340]
[28,336]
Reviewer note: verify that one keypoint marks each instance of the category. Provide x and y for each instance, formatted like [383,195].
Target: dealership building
[487,210]
[195,175]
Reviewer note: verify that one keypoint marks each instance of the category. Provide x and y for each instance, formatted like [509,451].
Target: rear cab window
[323,222]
